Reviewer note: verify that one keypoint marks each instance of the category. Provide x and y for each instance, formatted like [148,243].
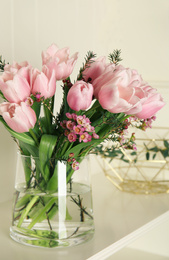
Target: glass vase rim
[52,158]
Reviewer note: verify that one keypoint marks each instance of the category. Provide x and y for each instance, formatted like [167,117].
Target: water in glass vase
[52,220]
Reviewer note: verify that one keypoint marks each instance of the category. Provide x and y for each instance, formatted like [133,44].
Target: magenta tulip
[80,96]
[19,118]
[59,60]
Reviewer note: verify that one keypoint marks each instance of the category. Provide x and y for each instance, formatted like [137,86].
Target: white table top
[119,219]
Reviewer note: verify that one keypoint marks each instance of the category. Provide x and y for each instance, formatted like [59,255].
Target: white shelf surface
[120,218]
[134,254]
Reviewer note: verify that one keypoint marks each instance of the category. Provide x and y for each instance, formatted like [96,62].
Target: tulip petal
[126,93]
[150,109]
[62,54]
[95,69]
[4,107]
[19,118]
[122,106]
[52,84]
[30,113]
[60,71]
[40,85]
[15,90]
[21,87]
[108,96]
[58,60]
[80,96]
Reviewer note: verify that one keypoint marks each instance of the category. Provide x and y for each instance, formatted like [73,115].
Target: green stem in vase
[34,136]
[48,116]
[15,202]
[42,212]
[27,209]
[83,211]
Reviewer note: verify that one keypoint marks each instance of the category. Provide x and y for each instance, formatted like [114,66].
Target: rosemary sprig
[2,64]
[115,57]
[88,60]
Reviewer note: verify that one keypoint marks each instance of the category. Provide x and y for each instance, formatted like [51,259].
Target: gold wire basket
[145,171]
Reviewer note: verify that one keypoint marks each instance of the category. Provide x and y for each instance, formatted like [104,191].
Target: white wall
[138,27]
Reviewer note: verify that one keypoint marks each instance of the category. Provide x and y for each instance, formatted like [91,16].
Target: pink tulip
[80,96]
[19,118]
[119,99]
[16,66]
[15,87]
[14,82]
[42,83]
[125,77]
[123,90]
[151,104]
[22,69]
[19,68]
[118,90]
[58,60]
[95,69]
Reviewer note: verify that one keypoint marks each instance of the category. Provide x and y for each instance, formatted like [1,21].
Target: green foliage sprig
[164,151]
[2,64]
[115,57]
[88,60]
[115,152]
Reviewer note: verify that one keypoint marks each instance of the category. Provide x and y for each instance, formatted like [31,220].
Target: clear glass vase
[54,210]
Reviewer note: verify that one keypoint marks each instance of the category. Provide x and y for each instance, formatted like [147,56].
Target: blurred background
[138,27]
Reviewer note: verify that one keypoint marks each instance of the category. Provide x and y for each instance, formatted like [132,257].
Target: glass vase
[54,210]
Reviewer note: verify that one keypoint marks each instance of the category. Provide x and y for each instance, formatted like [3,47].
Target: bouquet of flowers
[105,99]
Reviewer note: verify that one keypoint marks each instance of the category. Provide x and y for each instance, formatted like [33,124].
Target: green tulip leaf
[79,147]
[53,182]
[46,149]
[24,137]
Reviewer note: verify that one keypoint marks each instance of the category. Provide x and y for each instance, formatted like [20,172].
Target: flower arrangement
[101,103]
[105,99]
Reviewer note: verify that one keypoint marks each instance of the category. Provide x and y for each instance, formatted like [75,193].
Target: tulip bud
[19,118]
[80,96]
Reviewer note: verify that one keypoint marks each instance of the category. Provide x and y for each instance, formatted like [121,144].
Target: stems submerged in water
[83,211]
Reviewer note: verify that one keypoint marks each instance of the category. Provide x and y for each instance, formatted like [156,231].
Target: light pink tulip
[42,83]
[119,99]
[151,104]
[125,77]
[16,66]
[16,89]
[19,118]
[22,69]
[123,90]
[80,96]
[14,82]
[95,69]
[58,60]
